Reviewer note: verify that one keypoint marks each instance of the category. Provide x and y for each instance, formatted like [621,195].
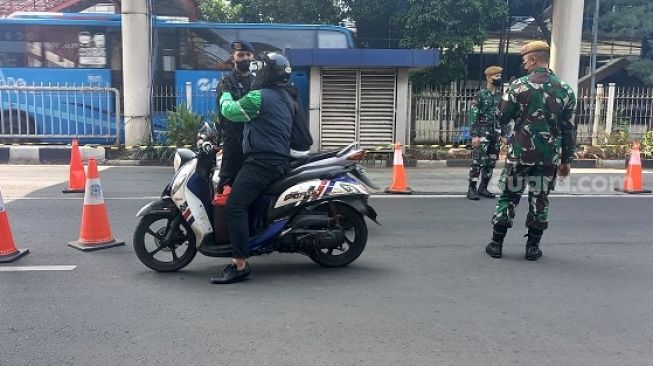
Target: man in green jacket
[267,113]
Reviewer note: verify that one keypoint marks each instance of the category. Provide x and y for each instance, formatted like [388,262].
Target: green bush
[182,126]
[646,145]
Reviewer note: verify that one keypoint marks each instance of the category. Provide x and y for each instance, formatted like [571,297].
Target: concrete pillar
[598,106]
[609,113]
[136,63]
[402,123]
[566,40]
[314,105]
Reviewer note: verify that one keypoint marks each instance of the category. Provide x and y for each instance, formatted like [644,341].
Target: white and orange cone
[399,182]
[77,177]
[8,251]
[633,179]
[95,232]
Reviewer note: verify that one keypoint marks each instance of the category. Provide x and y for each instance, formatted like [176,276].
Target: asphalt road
[422,293]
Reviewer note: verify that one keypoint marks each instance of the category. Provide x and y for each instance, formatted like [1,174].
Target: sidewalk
[432,178]
[106,155]
[447,180]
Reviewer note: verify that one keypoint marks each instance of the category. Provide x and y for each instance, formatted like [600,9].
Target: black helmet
[271,68]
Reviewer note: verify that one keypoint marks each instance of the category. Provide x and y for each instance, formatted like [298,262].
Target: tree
[537,10]
[220,11]
[290,11]
[452,26]
[376,21]
[631,19]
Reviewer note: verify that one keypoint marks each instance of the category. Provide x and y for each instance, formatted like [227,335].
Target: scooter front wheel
[164,243]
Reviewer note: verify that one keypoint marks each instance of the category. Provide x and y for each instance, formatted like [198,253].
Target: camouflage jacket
[543,108]
[482,115]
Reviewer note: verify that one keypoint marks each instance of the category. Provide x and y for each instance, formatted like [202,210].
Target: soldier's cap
[242,46]
[493,70]
[534,47]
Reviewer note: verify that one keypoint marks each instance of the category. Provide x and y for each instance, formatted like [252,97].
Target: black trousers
[255,175]
[232,161]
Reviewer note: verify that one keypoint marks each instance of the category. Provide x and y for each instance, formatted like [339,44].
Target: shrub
[182,126]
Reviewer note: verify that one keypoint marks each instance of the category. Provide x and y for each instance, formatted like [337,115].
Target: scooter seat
[313,157]
[277,187]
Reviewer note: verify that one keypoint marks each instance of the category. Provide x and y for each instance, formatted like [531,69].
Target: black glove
[226,86]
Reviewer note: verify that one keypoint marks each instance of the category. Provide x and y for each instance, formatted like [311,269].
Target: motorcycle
[317,209]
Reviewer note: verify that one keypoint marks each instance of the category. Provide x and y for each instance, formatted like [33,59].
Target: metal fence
[59,112]
[200,101]
[441,115]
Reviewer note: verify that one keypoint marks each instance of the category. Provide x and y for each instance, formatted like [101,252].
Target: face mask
[497,82]
[243,65]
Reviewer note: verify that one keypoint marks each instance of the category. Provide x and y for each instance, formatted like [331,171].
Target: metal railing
[167,98]
[440,116]
[59,112]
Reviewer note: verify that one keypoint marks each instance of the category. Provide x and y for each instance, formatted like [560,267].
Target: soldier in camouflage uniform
[542,145]
[485,134]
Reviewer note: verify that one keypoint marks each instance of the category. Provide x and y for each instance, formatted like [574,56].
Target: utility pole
[137,69]
[595,38]
[566,40]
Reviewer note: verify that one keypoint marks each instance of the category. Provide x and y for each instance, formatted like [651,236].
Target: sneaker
[533,253]
[230,274]
[494,249]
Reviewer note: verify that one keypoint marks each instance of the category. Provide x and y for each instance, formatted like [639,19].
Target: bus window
[42,46]
[330,39]
[204,48]
[12,47]
[115,43]
[266,40]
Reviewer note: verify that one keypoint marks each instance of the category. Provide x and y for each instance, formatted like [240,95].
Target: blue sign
[45,76]
[206,81]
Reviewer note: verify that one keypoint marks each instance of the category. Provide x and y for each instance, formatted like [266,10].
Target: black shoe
[494,249]
[230,274]
[471,192]
[482,190]
[533,253]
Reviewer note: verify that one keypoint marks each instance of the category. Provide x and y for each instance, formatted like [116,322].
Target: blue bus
[75,49]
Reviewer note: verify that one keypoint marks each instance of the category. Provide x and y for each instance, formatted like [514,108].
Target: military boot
[533,251]
[494,249]
[471,191]
[482,189]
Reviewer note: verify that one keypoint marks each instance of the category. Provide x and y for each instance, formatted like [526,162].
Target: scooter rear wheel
[155,252]
[355,230]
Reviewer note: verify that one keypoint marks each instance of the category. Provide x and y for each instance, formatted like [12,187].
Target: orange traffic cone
[95,232]
[76,178]
[633,181]
[8,251]
[399,182]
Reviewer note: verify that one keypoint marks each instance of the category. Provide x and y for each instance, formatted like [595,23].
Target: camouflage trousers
[513,181]
[484,159]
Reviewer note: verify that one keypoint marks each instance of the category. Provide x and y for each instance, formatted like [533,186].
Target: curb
[47,154]
[52,154]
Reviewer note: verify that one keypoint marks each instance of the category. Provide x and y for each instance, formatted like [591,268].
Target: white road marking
[375,195]
[37,268]
[81,198]
[561,195]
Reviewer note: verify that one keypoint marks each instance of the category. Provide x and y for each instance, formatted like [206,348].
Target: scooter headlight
[176,162]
